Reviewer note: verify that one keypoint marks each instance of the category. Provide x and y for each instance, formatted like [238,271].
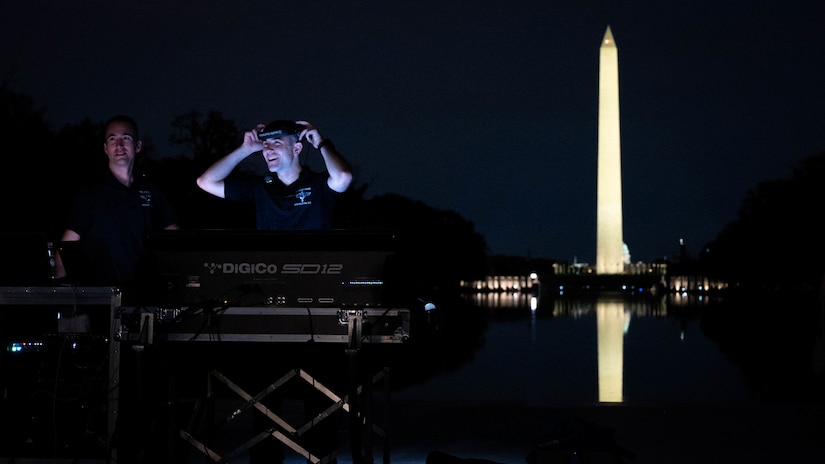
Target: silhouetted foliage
[29,146]
[516,265]
[436,248]
[776,241]
[204,139]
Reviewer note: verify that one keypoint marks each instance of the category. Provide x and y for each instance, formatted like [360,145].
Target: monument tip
[608,41]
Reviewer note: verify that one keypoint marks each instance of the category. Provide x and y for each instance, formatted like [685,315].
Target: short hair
[125,120]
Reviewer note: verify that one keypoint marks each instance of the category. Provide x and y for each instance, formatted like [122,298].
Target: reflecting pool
[667,350]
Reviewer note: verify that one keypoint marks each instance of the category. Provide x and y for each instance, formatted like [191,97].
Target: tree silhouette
[26,179]
[776,240]
[204,138]
[436,248]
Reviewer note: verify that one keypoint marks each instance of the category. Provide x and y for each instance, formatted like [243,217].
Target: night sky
[488,109]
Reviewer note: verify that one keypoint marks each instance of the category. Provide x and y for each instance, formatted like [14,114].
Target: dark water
[637,351]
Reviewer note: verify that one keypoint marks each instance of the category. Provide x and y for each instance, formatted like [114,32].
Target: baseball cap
[280,128]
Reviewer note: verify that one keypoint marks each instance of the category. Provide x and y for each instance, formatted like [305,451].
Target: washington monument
[609,241]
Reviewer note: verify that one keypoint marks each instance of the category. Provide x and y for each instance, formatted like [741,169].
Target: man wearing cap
[291,196]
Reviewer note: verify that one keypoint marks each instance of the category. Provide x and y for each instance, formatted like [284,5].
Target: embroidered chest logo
[302,195]
[145,197]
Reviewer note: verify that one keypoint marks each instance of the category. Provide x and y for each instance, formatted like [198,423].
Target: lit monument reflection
[611,320]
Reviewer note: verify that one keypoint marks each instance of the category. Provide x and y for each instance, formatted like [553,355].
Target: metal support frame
[289,434]
[355,403]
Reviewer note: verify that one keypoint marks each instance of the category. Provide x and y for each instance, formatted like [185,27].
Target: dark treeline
[773,243]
